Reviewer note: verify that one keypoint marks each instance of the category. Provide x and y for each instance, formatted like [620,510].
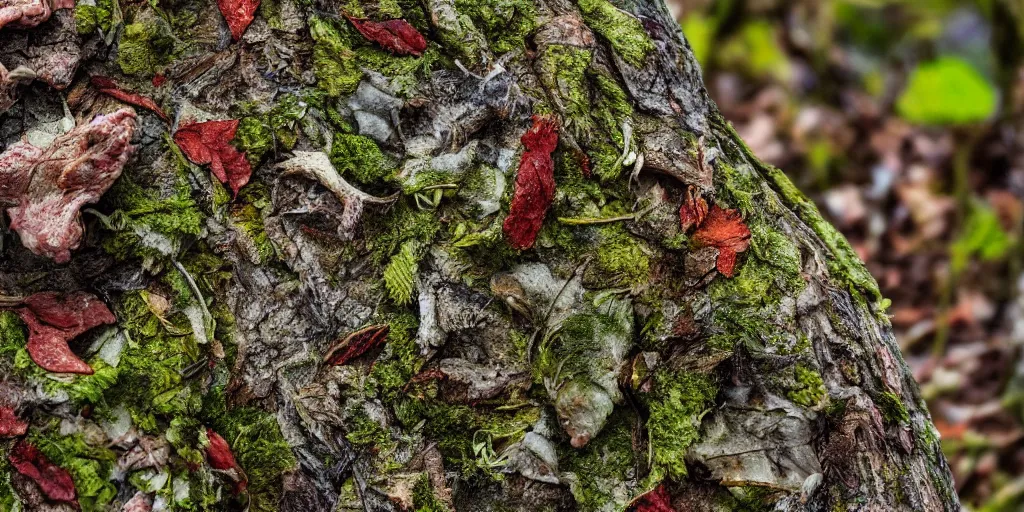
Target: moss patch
[676,403]
[623,31]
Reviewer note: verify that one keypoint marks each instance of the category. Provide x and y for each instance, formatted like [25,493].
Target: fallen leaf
[657,500]
[210,143]
[220,457]
[396,36]
[53,320]
[10,424]
[535,184]
[239,14]
[724,230]
[356,344]
[110,88]
[693,209]
[55,483]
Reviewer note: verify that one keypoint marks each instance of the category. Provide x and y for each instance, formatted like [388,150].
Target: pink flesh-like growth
[49,186]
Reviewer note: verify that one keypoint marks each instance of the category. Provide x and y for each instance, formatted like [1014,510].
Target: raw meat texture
[51,185]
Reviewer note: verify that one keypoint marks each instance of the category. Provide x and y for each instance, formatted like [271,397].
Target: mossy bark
[609,360]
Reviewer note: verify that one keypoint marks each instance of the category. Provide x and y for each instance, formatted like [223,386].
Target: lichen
[892,407]
[623,31]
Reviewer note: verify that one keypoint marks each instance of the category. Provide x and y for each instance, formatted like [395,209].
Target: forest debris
[110,88]
[724,230]
[535,183]
[10,424]
[657,500]
[220,457]
[26,13]
[210,143]
[693,209]
[50,185]
[238,14]
[356,344]
[53,320]
[55,483]
[396,36]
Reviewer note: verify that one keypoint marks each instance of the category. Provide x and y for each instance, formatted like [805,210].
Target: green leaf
[982,237]
[947,91]
[400,274]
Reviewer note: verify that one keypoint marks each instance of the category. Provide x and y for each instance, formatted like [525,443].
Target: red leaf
[239,14]
[10,424]
[55,483]
[724,230]
[219,453]
[53,320]
[693,210]
[159,79]
[110,88]
[210,143]
[356,344]
[535,183]
[396,36]
[657,500]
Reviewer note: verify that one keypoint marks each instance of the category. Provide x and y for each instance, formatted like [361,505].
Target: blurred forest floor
[904,120]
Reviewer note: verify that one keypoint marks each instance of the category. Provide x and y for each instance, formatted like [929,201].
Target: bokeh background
[904,120]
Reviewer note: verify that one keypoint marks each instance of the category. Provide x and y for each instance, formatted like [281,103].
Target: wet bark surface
[396,311]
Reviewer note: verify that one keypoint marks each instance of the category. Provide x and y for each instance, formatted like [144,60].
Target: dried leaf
[693,210]
[356,344]
[48,186]
[53,320]
[219,453]
[239,14]
[657,500]
[210,143]
[110,88]
[724,230]
[535,184]
[10,424]
[397,36]
[55,483]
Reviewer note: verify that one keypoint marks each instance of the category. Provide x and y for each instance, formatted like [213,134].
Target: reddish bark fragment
[724,230]
[210,143]
[693,210]
[24,13]
[396,36]
[49,186]
[10,424]
[356,344]
[110,88]
[657,500]
[55,483]
[239,14]
[535,183]
[53,320]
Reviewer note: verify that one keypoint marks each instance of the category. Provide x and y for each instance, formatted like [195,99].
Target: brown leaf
[396,36]
[725,231]
[356,344]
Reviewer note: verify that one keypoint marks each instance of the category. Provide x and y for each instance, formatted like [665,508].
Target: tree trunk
[528,266]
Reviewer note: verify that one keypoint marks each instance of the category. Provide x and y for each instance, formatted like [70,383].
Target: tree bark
[373,322]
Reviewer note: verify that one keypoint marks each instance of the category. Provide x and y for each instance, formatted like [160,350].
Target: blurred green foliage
[947,90]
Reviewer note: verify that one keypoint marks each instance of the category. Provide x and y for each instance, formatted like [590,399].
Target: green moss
[258,445]
[676,403]
[359,157]
[90,466]
[334,63]
[424,499]
[400,274]
[144,46]
[604,466]
[505,23]
[401,359]
[622,258]
[88,18]
[623,31]
[247,216]
[563,74]
[254,138]
[892,408]
[810,390]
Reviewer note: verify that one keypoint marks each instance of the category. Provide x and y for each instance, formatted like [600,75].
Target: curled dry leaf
[55,483]
[693,210]
[53,320]
[356,344]
[535,183]
[210,143]
[110,88]
[48,186]
[657,500]
[239,14]
[219,455]
[724,230]
[10,424]
[396,36]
